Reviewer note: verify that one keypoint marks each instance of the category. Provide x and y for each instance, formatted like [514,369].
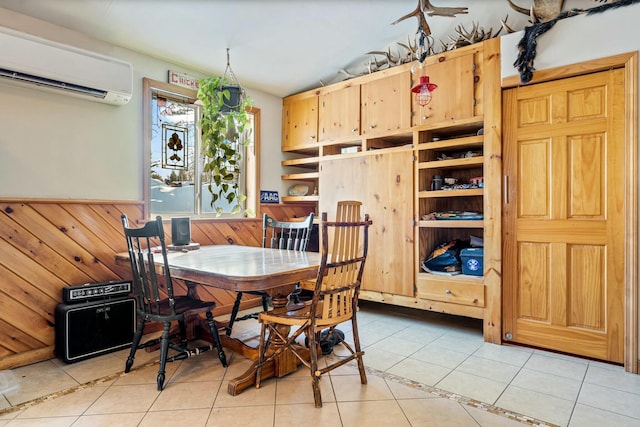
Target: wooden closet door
[383,182]
[563,286]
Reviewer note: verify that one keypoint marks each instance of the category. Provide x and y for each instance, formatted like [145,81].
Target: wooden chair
[156,301]
[289,235]
[335,300]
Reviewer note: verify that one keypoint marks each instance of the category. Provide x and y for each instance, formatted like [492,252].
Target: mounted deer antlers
[476,35]
[411,53]
[426,6]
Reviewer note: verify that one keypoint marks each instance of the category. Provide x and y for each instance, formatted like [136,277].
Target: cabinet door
[454,97]
[386,104]
[339,114]
[300,123]
[384,184]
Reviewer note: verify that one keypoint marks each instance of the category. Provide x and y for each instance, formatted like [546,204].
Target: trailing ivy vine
[223,134]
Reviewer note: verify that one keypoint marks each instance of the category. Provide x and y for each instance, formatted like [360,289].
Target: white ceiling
[281,47]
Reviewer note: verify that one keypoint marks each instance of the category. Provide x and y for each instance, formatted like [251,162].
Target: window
[175,184]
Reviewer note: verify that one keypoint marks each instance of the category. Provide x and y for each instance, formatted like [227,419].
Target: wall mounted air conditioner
[33,61]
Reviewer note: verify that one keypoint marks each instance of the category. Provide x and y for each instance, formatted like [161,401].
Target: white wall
[56,146]
[579,39]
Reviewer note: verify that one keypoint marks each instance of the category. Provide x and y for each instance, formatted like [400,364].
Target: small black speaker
[180,231]
[93,328]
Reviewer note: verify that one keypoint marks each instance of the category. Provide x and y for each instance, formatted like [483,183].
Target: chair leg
[216,338]
[164,349]
[313,361]
[234,313]
[358,349]
[134,345]
[182,327]
[261,352]
[265,302]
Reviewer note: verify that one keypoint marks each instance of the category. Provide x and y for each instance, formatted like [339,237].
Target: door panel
[454,99]
[386,104]
[300,123]
[564,220]
[383,182]
[533,297]
[339,113]
[536,206]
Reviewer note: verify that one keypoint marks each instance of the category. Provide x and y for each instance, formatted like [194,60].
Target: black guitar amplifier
[93,323]
[95,291]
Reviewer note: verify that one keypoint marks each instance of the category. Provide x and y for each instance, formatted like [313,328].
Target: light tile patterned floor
[424,369]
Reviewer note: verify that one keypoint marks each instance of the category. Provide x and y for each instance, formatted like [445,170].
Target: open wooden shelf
[453,144]
[299,198]
[306,176]
[451,193]
[458,223]
[302,162]
[453,163]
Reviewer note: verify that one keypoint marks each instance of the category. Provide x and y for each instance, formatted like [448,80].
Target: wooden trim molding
[631,224]
[27,358]
[563,72]
[492,194]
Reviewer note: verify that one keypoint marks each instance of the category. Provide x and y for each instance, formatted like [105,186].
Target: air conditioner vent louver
[27,60]
[41,81]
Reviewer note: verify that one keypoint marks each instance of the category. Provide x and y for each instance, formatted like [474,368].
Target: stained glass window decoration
[174,149]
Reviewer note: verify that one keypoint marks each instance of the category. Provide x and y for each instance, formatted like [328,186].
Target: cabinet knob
[448,292]
[425,117]
[313,137]
[372,126]
[354,130]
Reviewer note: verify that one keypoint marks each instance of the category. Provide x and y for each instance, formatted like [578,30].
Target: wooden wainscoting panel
[289,210]
[50,244]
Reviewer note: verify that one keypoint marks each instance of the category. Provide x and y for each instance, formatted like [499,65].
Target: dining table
[242,269]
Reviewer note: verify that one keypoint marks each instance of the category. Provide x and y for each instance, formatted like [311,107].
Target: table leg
[283,364]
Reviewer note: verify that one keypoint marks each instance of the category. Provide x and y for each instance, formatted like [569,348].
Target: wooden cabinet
[374,106]
[339,114]
[383,181]
[377,146]
[386,104]
[455,97]
[300,122]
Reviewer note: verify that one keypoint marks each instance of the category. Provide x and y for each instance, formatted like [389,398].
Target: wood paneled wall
[47,245]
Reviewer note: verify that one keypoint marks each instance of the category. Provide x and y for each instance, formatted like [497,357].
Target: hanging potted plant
[232,97]
[223,137]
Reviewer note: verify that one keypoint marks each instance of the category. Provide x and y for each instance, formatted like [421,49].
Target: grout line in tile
[510,383]
[575,402]
[108,378]
[462,399]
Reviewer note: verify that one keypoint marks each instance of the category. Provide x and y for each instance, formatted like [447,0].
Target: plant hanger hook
[233,79]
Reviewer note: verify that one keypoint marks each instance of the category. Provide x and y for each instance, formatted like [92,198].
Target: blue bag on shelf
[445,258]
